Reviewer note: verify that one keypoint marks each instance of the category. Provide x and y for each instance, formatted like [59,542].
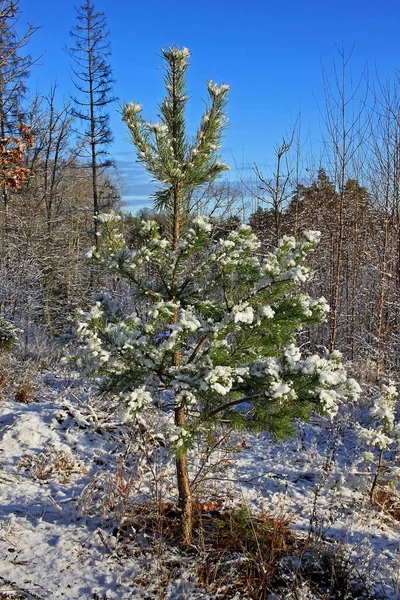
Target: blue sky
[270,53]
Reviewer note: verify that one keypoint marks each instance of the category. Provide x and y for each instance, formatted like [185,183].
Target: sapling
[212,335]
[8,334]
[383,435]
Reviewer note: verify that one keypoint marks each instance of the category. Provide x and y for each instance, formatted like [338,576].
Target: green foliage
[165,149]
[214,338]
[239,313]
[8,335]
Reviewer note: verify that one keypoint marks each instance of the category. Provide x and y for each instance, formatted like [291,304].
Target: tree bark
[184,490]
[181,463]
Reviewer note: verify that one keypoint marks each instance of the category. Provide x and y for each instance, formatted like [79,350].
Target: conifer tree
[216,338]
[94,82]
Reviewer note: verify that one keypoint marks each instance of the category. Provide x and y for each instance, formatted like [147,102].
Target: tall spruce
[211,339]
[93,80]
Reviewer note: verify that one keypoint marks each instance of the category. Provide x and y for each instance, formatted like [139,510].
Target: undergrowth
[238,555]
[388,501]
[52,462]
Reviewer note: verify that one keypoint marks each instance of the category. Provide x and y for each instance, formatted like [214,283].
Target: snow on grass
[66,481]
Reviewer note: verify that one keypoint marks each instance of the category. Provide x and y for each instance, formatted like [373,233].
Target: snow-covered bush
[383,436]
[238,316]
[8,334]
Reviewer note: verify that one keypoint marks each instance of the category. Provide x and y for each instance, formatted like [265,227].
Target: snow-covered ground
[67,480]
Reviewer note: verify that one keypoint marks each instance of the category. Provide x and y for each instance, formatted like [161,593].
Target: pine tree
[94,82]
[216,337]
[8,335]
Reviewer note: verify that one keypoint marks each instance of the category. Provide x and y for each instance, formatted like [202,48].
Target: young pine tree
[216,321]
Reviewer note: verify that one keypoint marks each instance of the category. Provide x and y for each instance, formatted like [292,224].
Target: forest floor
[87,507]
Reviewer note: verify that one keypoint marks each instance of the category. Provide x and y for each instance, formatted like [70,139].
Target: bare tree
[275,191]
[385,180]
[345,124]
[14,68]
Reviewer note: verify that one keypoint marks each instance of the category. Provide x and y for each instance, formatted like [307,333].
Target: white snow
[58,536]
[244,314]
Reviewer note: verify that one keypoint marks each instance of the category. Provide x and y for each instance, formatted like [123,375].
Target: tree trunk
[185,494]
[382,296]
[182,472]
[376,476]
[6,232]
[93,141]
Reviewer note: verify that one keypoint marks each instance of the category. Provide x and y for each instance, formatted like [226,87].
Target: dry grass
[243,552]
[24,392]
[52,463]
[388,501]
[236,554]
